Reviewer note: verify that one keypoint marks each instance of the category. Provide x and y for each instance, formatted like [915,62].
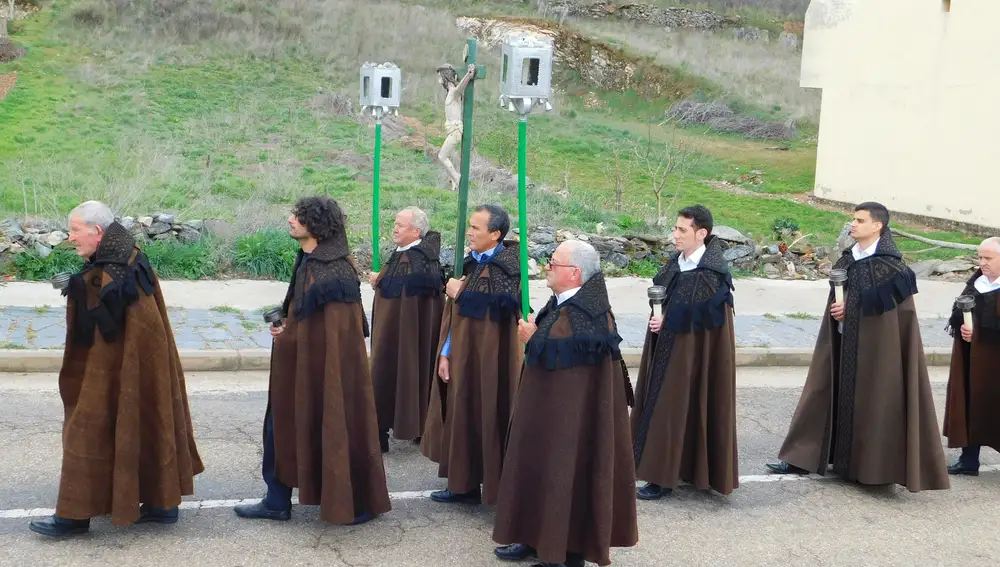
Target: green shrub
[173,260]
[32,267]
[783,226]
[266,254]
[645,268]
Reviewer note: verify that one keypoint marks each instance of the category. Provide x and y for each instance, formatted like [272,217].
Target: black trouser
[970,457]
[279,496]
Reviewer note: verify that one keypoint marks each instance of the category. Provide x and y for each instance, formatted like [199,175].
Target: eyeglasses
[552,265]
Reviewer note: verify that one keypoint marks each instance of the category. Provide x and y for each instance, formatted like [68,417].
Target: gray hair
[418,220]
[93,213]
[992,242]
[583,256]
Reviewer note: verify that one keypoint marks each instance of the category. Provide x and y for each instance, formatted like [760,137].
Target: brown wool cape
[684,421]
[971,416]
[866,407]
[406,320]
[320,394]
[468,418]
[127,436]
[568,483]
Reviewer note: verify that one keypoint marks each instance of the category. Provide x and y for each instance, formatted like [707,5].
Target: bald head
[989,258]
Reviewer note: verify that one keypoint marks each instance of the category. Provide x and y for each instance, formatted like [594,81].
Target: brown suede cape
[406,320]
[320,395]
[127,437]
[568,483]
[866,407]
[684,422]
[971,416]
[468,418]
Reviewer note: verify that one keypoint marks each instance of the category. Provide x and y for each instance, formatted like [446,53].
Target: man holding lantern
[684,421]
[866,407]
[970,418]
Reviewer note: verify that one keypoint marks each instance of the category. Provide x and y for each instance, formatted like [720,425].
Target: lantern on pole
[380,89]
[525,82]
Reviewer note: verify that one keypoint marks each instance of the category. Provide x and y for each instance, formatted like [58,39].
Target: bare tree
[662,162]
[620,172]
[4,20]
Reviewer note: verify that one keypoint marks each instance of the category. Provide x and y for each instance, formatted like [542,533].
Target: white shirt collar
[560,298]
[860,254]
[688,264]
[408,246]
[984,285]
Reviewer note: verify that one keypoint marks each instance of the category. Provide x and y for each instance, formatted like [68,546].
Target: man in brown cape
[567,493]
[684,421]
[479,364]
[406,320]
[128,442]
[970,416]
[866,407]
[320,430]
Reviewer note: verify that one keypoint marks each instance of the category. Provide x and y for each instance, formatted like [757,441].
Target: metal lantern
[380,88]
[526,73]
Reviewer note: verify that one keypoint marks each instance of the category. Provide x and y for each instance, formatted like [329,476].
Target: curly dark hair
[321,216]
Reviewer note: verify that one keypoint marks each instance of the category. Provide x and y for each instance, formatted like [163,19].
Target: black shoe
[417,440]
[515,552]
[960,468]
[653,492]
[383,441]
[148,514]
[448,497]
[54,526]
[259,511]
[781,467]
[363,518]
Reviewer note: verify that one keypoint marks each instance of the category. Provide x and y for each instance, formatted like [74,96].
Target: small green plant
[644,268]
[225,309]
[32,267]
[804,316]
[12,346]
[772,317]
[41,309]
[173,260]
[784,226]
[626,222]
[268,253]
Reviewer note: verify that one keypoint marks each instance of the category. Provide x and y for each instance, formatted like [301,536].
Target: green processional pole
[468,103]
[380,87]
[525,82]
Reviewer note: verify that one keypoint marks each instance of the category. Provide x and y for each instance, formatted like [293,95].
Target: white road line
[415,495]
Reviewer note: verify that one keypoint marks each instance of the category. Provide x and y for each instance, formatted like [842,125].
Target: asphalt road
[801,520]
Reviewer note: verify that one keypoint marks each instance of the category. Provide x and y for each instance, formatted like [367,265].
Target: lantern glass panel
[367,88]
[503,74]
[386,87]
[529,75]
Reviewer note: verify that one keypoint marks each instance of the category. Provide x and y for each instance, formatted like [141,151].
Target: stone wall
[641,13]
[792,258]
[41,236]
[599,64]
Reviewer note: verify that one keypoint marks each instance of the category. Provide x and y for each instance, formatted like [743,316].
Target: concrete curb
[38,361]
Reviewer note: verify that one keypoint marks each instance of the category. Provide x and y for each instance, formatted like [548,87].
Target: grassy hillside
[230,109]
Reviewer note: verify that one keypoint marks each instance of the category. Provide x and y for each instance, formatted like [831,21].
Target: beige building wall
[911,104]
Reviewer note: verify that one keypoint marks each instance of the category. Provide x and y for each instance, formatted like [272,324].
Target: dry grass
[337,35]
[763,74]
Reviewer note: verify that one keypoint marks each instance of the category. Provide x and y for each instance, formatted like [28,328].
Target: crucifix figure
[453,123]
